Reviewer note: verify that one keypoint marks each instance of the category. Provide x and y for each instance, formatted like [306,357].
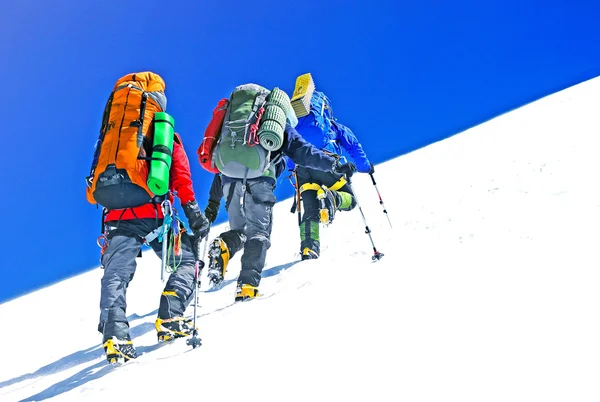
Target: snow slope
[488,290]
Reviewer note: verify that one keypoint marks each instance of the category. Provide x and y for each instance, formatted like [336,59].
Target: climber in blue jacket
[323,193]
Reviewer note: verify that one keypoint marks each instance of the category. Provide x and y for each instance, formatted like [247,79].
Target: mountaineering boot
[171,328]
[119,350]
[330,202]
[308,254]
[218,255]
[245,292]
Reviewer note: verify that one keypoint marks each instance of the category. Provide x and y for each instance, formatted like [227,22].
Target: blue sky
[400,74]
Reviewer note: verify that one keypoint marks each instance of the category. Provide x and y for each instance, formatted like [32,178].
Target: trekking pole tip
[194,341]
[377,256]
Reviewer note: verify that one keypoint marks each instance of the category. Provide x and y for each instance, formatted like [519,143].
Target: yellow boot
[245,292]
[119,350]
[168,329]
[218,254]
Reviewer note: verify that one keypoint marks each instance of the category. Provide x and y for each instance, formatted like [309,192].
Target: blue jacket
[336,138]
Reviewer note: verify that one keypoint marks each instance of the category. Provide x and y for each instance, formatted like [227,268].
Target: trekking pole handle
[372,179]
[197,249]
[199,252]
[205,245]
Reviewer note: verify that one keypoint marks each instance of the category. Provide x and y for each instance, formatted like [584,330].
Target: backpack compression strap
[258,110]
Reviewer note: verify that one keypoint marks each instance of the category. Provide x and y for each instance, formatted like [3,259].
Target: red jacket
[180,182]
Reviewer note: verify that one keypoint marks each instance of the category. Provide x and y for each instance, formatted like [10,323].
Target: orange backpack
[119,170]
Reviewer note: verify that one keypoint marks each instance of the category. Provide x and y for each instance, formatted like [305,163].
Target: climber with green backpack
[244,145]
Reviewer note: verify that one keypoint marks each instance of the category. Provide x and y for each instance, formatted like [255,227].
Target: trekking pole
[380,199]
[298,199]
[168,216]
[296,206]
[203,258]
[376,254]
[195,341]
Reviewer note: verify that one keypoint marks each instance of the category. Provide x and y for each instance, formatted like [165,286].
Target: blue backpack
[316,126]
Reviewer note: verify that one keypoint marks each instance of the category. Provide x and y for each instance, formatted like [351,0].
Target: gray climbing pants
[125,240]
[250,213]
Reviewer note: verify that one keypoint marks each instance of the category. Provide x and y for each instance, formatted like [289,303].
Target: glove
[196,219]
[372,168]
[347,169]
[212,210]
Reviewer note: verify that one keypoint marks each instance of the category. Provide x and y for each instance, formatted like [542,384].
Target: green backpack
[253,128]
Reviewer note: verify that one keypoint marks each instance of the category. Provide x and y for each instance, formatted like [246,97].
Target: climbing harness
[321,190]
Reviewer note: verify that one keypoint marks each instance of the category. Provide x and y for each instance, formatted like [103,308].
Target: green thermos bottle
[162,151]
